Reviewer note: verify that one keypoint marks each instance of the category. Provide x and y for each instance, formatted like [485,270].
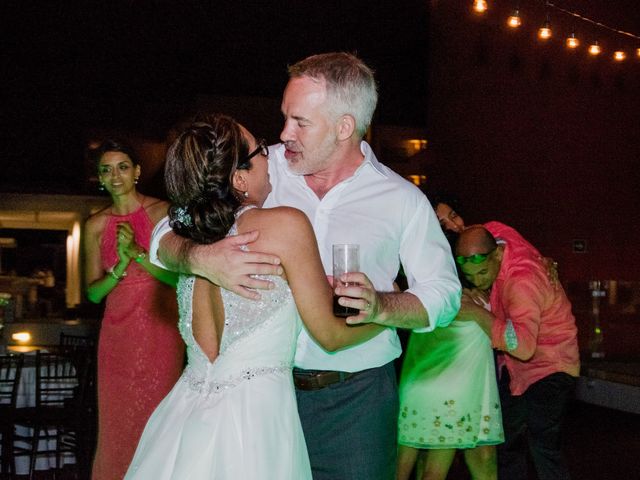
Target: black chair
[84,348]
[68,340]
[60,412]
[10,371]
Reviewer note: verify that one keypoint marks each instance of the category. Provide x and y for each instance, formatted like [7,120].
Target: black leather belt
[318,379]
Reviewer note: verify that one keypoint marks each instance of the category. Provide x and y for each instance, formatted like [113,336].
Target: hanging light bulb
[572,42]
[480,6]
[514,20]
[594,49]
[619,55]
[544,32]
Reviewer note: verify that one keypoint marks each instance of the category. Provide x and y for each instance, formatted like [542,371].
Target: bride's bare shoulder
[270,216]
[279,223]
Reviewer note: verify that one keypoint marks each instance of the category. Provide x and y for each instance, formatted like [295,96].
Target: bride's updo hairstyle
[198,177]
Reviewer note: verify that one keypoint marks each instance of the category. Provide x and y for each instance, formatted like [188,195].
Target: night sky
[74,66]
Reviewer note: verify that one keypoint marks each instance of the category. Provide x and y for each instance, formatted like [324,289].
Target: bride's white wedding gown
[235,418]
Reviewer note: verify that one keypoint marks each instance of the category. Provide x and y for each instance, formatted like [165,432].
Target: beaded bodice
[259,336]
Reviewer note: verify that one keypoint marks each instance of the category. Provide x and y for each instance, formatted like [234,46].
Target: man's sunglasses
[475,259]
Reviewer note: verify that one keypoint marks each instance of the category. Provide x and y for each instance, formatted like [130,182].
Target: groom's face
[309,133]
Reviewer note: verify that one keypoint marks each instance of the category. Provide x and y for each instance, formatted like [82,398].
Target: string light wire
[572,40]
[591,21]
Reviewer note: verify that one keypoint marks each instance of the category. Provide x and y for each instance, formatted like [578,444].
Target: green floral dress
[448,391]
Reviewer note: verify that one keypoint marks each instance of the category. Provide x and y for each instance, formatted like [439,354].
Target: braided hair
[199,177]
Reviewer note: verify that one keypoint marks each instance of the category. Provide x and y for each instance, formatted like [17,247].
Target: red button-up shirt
[545,329]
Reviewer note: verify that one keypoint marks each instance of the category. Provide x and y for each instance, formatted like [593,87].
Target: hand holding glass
[346,259]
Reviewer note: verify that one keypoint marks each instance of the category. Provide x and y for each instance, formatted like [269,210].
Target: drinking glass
[346,258]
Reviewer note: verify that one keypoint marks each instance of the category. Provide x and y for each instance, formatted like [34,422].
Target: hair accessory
[184,217]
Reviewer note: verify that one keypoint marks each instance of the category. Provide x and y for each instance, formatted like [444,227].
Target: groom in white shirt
[347,400]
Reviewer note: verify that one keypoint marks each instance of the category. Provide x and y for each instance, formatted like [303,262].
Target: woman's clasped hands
[126,243]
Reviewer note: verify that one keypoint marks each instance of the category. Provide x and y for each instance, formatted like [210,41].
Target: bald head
[475,239]
[478,256]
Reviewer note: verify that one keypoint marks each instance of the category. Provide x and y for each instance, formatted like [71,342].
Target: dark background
[71,67]
[538,137]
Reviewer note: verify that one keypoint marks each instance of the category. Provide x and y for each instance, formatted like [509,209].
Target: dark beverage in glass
[341,310]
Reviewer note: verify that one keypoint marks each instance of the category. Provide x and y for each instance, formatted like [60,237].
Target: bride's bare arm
[288,233]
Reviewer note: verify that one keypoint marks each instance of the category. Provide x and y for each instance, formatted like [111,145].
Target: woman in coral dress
[140,352]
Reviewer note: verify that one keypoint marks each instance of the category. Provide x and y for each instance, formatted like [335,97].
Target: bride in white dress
[233,414]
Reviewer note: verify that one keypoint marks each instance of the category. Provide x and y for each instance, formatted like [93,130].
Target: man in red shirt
[531,325]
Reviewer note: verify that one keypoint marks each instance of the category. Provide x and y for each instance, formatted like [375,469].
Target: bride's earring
[245,194]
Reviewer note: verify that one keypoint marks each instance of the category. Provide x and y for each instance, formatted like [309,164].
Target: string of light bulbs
[572,41]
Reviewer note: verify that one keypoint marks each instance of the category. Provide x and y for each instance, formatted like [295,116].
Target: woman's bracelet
[116,276]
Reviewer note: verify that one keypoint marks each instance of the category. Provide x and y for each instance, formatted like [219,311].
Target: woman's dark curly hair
[436,198]
[198,177]
[112,145]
